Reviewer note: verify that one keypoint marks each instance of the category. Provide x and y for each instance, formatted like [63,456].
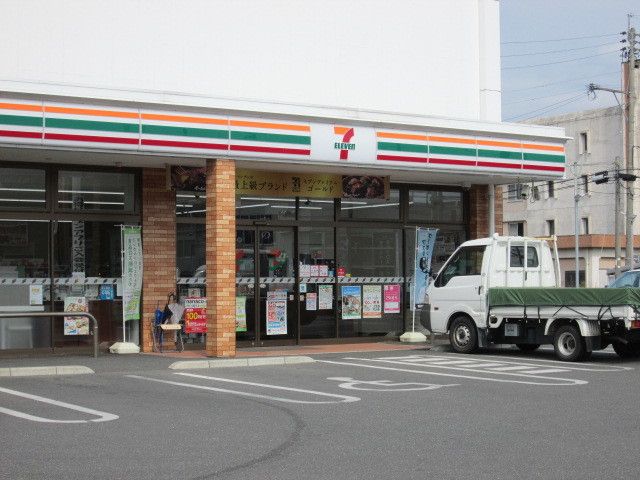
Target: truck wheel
[528,347]
[568,344]
[463,335]
[626,350]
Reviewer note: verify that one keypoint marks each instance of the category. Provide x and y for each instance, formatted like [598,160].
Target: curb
[45,371]
[240,362]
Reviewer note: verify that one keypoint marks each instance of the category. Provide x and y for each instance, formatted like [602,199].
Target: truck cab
[459,289]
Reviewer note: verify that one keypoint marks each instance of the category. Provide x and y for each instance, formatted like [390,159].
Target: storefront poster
[106,292]
[323,270]
[371,301]
[131,272]
[312,301]
[392,299]
[305,270]
[315,271]
[35,294]
[76,325]
[425,240]
[351,302]
[325,297]
[277,312]
[195,315]
[241,314]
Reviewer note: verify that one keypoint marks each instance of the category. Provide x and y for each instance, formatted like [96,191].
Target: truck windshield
[467,261]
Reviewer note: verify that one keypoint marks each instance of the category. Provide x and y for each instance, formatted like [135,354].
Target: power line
[560,61]
[557,51]
[560,81]
[539,98]
[542,110]
[560,39]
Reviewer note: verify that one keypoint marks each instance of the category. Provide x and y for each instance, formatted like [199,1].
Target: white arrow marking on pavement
[558,381]
[342,398]
[385,385]
[102,416]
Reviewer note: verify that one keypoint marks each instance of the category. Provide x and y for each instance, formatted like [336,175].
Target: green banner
[131,272]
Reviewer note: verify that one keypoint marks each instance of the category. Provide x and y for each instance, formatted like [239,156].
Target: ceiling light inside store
[192,195]
[89,202]
[282,206]
[268,199]
[21,200]
[253,205]
[184,205]
[39,190]
[92,192]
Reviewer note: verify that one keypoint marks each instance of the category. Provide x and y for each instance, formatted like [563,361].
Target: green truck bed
[539,297]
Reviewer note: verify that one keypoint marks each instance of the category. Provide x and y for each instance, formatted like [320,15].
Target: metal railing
[60,314]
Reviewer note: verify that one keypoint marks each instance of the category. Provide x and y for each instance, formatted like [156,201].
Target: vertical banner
[241,314]
[195,315]
[371,301]
[425,241]
[392,299]
[131,272]
[351,302]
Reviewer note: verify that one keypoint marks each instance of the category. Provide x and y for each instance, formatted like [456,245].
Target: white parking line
[509,368]
[551,381]
[340,398]
[102,416]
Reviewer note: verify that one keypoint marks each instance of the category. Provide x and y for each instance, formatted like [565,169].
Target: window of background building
[22,188]
[89,190]
[551,227]
[515,228]
[584,226]
[514,191]
[584,180]
[551,189]
[583,146]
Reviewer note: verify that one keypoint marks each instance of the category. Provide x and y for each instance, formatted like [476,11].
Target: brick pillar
[499,203]
[158,247]
[478,212]
[221,258]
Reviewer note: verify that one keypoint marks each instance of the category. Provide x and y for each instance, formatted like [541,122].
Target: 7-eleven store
[298,228]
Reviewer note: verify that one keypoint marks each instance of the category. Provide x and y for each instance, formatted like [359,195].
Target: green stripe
[470,152]
[20,120]
[500,154]
[541,157]
[185,131]
[91,125]
[270,137]
[403,147]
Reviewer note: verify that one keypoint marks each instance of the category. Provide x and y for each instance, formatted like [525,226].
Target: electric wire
[560,61]
[559,39]
[558,51]
[561,81]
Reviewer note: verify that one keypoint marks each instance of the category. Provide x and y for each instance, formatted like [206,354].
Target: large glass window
[86,190]
[265,208]
[22,188]
[435,206]
[371,209]
[315,209]
[191,204]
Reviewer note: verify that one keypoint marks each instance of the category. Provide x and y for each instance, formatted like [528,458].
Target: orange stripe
[401,136]
[553,148]
[19,106]
[180,118]
[340,130]
[470,141]
[494,143]
[277,126]
[90,111]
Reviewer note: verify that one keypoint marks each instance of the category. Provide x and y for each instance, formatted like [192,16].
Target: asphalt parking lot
[409,414]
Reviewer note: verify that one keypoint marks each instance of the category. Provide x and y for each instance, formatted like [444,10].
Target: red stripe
[400,158]
[448,161]
[500,165]
[11,133]
[344,154]
[89,138]
[286,151]
[543,167]
[171,143]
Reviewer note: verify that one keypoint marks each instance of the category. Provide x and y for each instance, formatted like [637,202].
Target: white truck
[506,290]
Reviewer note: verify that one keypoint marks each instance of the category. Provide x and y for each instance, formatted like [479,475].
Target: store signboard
[131,272]
[195,315]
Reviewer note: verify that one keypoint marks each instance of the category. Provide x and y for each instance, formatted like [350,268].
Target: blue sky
[535,32]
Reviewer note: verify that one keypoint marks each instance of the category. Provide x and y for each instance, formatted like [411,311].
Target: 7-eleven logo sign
[344,145]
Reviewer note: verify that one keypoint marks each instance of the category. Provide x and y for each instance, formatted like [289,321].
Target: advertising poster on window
[325,297]
[425,240]
[131,272]
[312,301]
[277,312]
[35,294]
[371,301]
[351,302]
[392,299]
[241,314]
[195,315]
[76,325]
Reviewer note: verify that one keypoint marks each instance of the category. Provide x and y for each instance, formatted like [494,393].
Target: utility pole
[632,95]
[576,200]
[617,209]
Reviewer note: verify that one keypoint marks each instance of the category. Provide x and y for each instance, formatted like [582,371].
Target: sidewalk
[110,363]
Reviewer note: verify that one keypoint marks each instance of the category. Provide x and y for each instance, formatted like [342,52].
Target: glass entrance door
[278,313]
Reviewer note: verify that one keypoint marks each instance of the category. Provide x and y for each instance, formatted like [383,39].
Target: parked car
[628,279]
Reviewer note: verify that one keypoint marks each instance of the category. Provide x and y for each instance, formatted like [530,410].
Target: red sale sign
[195,315]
